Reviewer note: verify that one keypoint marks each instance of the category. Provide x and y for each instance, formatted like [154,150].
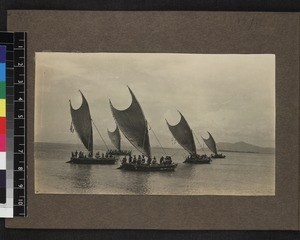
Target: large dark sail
[133,125]
[210,143]
[82,122]
[115,138]
[183,134]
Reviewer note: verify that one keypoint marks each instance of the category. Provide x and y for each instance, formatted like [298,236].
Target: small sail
[210,143]
[81,119]
[115,138]
[183,134]
[133,125]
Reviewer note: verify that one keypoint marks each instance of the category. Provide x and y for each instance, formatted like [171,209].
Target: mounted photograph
[154,124]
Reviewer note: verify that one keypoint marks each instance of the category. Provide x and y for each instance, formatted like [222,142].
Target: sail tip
[179,113]
[129,88]
[81,94]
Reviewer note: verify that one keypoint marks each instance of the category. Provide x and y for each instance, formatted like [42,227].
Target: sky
[230,95]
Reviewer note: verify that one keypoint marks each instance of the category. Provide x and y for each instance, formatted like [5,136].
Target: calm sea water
[237,174]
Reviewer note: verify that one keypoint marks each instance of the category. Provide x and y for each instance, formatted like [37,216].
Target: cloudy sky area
[231,96]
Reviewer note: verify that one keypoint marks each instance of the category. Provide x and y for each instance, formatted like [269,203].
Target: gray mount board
[171,32]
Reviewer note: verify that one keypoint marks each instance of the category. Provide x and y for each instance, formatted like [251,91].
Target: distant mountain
[242,147]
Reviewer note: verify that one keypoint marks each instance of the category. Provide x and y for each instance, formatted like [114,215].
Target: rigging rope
[157,139]
[199,143]
[176,153]
[174,142]
[90,142]
[100,134]
[145,133]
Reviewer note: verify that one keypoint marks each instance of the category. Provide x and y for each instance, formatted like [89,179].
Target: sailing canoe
[115,138]
[183,134]
[134,126]
[82,123]
[211,144]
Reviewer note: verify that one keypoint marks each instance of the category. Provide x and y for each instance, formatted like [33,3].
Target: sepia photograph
[154,124]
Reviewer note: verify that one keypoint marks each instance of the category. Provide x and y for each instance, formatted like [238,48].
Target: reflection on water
[237,174]
[81,176]
[135,182]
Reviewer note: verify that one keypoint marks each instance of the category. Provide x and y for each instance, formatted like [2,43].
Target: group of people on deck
[118,152]
[81,154]
[142,160]
[106,155]
[195,155]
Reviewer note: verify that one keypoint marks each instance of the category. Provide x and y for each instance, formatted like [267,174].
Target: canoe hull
[109,160]
[148,168]
[198,160]
[120,153]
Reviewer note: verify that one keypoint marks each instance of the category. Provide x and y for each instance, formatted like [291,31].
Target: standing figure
[161,160]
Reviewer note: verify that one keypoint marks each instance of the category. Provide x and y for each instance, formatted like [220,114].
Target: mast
[82,122]
[183,134]
[133,124]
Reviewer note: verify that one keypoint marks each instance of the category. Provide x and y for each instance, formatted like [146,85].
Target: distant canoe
[196,160]
[115,152]
[211,144]
[184,136]
[115,138]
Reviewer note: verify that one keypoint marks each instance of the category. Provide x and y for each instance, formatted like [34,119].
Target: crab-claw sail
[115,138]
[210,143]
[133,125]
[183,134]
[82,122]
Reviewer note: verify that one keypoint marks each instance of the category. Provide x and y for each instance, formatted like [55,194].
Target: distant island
[242,147]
